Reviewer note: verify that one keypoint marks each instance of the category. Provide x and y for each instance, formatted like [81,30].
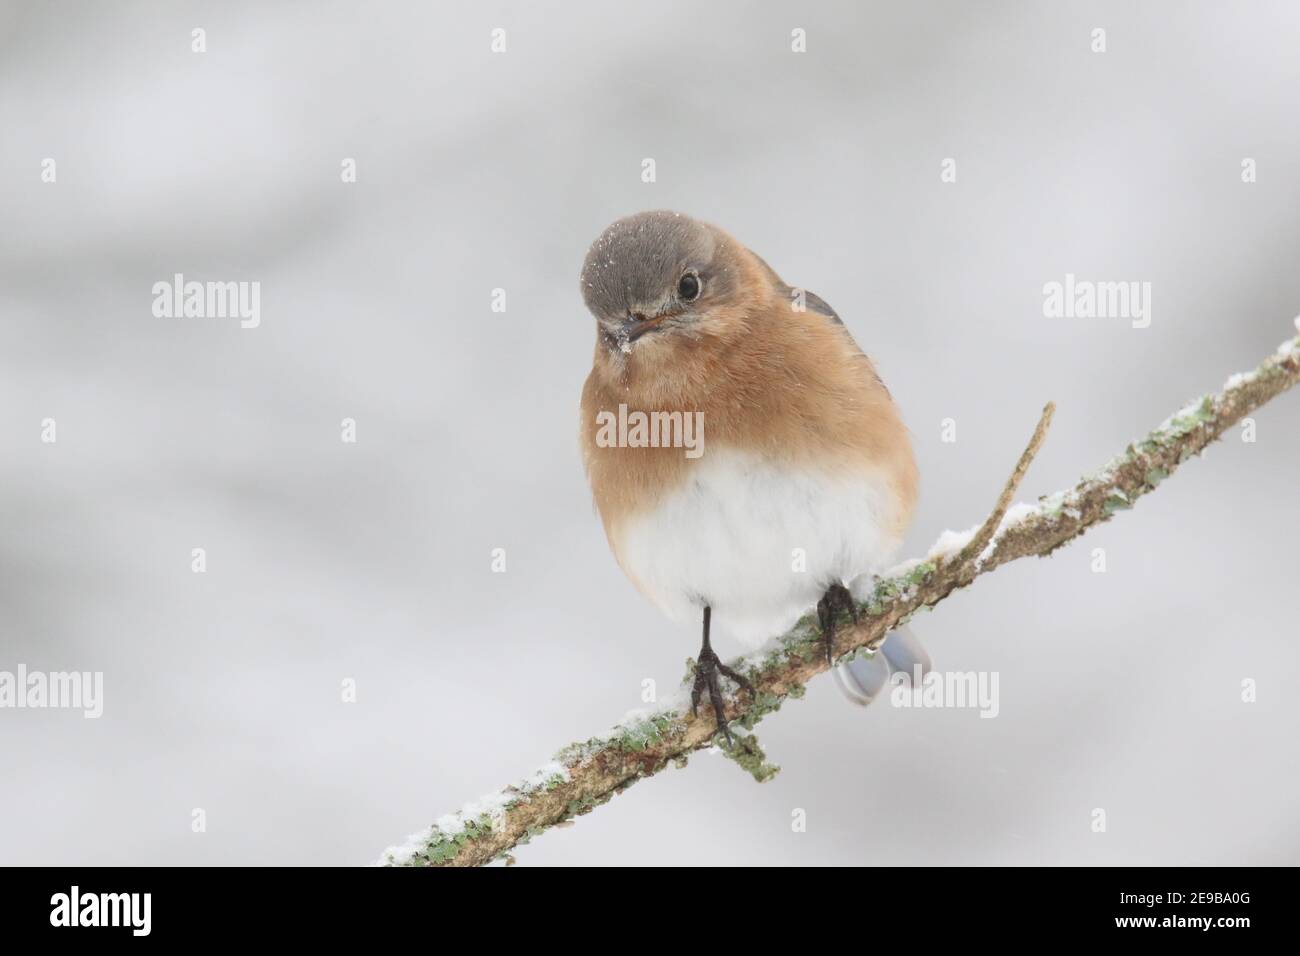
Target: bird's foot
[707,669]
[837,598]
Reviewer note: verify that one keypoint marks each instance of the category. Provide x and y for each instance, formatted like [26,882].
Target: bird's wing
[812,301]
[816,304]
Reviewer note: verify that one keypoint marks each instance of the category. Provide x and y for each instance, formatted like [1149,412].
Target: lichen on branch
[587,774]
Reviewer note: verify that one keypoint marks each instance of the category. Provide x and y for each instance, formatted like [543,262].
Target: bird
[744,456]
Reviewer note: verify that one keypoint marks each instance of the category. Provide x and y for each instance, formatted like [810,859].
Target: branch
[585,775]
[984,537]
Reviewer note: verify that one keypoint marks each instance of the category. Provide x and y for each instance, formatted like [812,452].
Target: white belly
[757,541]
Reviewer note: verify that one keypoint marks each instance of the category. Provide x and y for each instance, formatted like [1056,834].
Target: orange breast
[791,387]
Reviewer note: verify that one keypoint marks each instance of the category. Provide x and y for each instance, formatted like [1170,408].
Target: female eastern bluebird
[797,481]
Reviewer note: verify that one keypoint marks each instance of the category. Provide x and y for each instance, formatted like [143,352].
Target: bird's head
[656,281]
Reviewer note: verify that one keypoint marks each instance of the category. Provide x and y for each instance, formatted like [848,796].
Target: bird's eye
[688,287]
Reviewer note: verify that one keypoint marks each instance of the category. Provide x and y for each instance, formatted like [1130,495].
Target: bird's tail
[862,678]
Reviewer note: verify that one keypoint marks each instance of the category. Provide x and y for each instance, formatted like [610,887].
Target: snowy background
[371,561]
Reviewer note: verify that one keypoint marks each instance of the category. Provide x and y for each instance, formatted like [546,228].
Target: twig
[994,520]
[585,775]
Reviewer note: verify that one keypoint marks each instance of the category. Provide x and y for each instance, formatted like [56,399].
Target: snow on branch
[584,775]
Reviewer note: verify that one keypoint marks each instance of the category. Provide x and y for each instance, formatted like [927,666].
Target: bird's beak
[621,333]
[637,325]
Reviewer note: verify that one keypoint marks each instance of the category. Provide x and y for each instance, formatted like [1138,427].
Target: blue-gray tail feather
[863,678]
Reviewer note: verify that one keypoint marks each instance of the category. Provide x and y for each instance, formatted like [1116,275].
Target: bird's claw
[837,598]
[707,669]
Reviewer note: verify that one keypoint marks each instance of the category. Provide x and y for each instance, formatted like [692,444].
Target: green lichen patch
[802,642]
[444,846]
[634,736]
[575,753]
[887,589]
[746,752]
[586,804]
[643,734]
[544,780]
[531,832]
[1116,501]
[921,573]
[1154,476]
[1052,506]
[765,703]
[1190,418]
